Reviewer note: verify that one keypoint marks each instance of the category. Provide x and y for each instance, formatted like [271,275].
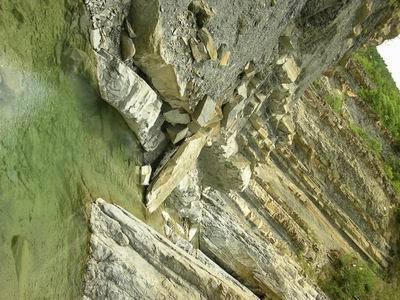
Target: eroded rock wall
[250,166]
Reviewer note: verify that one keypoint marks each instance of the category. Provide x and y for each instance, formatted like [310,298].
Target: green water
[61,147]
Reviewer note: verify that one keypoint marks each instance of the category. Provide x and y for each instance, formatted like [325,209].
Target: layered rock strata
[256,173]
[130,260]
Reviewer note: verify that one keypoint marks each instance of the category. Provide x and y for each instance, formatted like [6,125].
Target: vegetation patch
[392,168]
[373,144]
[335,101]
[384,97]
[350,278]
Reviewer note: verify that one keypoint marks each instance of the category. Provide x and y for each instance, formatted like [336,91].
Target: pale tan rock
[145,175]
[175,170]
[289,71]
[256,261]
[192,233]
[261,97]
[225,59]
[249,70]
[177,116]
[357,30]
[241,90]
[128,49]
[229,173]
[129,29]
[199,51]
[205,36]
[130,260]
[137,102]
[205,111]
[232,113]
[95,38]
[202,12]
[177,133]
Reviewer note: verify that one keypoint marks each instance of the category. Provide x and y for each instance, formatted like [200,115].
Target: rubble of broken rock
[243,171]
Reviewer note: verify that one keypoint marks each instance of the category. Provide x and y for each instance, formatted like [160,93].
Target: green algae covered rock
[61,147]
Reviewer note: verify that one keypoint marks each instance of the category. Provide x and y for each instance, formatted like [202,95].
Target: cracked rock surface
[130,260]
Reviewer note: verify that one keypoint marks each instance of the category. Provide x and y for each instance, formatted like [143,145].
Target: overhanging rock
[121,87]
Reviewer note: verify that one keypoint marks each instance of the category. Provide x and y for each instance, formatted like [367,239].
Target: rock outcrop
[128,259]
[140,106]
[230,175]
[246,174]
[256,171]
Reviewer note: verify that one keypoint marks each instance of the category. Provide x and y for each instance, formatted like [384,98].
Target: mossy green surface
[335,101]
[384,96]
[61,147]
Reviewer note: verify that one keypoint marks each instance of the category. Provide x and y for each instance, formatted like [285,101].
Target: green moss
[335,101]
[350,278]
[373,144]
[392,169]
[384,97]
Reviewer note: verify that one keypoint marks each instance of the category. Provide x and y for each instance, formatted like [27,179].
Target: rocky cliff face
[249,169]
[250,178]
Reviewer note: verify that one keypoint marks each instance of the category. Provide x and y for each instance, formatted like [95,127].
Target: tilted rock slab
[130,260]
[119,85]
[137,102]
[183,161]
[253,261]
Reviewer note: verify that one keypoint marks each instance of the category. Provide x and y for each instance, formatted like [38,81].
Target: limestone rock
[225,59]
[95,38]
[249,70]
[151,57]
[201,11]
[205,36]
[357,30]
[224,55]
[232,173]
[128,49]
[108,22]
[176,116]
[199,51]
[185,198]
[121,87]
[232,113]
[147,265]
[129,29]
[192,233]
[205,111]
[236,247]
[241,90]
[175,170]
[177,133]
[145,175]
[289,71]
